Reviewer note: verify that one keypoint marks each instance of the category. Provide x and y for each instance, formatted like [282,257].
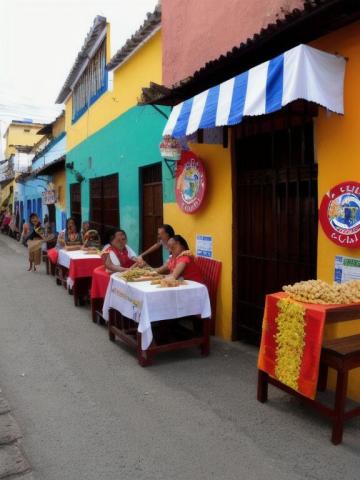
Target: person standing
[35,241]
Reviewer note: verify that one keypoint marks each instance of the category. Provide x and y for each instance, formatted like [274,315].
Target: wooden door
[151,210]
[75,203]
[52,215]
[104,204]
[276,219]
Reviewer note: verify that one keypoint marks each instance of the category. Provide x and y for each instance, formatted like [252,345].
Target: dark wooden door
[276,224]
[104,204]
[75,203]
[151,210]
[52,215]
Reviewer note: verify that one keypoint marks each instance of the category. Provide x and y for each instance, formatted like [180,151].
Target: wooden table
[133,309]
[333,314]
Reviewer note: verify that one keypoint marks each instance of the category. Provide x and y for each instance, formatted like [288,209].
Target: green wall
[127,143]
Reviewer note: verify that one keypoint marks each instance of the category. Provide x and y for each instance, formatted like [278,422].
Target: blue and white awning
[300,73]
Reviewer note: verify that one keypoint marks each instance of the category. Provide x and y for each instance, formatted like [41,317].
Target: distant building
[41,189]
[113,159]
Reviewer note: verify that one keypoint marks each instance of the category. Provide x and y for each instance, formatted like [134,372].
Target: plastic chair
[210,270]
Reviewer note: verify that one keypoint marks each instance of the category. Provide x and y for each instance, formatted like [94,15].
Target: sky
[40,39]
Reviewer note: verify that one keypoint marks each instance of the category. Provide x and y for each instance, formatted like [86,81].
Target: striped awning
[300,73]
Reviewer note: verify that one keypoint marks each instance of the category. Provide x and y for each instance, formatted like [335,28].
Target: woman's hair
[32,215]
[114,232]
[181,240]
[70,219]
[168,229]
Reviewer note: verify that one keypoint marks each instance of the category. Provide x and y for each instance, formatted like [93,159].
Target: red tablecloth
[100,281]
[53,255]
[83,267]
[314,317]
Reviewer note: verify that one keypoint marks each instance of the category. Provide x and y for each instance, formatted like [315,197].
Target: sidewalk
[13,463]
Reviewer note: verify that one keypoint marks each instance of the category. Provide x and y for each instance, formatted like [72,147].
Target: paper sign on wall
[204,246]
[346,269]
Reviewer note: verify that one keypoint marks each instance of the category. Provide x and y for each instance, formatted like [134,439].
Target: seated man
[119,256]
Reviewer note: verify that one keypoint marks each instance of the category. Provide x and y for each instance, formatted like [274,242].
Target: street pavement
[87,411]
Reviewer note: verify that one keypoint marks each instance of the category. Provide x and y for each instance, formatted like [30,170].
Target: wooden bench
[342,354]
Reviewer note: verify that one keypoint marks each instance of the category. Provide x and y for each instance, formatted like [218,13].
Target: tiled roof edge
[150,25]
[93,35]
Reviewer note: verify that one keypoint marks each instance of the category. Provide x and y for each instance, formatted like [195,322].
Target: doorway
[75,203]
[104,205]
[275,217]
[52,216]
[151,210]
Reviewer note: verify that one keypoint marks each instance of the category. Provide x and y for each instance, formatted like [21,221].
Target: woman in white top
[119,256]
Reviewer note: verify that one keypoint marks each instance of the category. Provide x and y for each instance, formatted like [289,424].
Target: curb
[13,462]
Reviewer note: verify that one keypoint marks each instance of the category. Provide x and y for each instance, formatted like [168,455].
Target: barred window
[91,84]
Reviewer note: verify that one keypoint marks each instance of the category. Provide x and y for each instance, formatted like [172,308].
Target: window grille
[92,83]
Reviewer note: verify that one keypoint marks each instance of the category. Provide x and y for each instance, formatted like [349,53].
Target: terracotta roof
[315,19]
[147,29]
[82,57]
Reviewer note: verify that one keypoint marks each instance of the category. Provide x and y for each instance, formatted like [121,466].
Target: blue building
[42,188]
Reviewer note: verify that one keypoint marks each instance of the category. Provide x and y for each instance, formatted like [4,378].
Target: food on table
[148,278]
[138,274]
[318,291]
[91,251]
[72,248]
[170,283]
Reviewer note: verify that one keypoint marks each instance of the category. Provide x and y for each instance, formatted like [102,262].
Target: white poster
[346,268]
[204,246]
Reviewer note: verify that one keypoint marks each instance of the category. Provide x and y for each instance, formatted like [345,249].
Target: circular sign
[340,214]
[190,182]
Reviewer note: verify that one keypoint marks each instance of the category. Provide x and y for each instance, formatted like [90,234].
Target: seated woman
[90,237]
[119,256]
[70,236]
[181,263]
[165,232]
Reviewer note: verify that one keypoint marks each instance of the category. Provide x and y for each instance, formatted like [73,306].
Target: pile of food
[318,291]
[168,283]
[137,274]
[72,248]
[91,251]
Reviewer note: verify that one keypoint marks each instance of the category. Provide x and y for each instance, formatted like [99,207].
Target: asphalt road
[89,412]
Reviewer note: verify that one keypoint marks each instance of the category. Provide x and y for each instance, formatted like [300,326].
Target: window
[92,84]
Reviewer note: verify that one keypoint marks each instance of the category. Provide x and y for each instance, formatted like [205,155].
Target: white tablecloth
[145,303]
[65,258]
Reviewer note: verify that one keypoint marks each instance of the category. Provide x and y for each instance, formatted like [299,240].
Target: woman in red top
[181,262]
[119,256]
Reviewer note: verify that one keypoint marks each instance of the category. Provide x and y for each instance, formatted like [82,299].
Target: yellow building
[20,134]
[20,138]
[111,141]
[266,179]
[121,89]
